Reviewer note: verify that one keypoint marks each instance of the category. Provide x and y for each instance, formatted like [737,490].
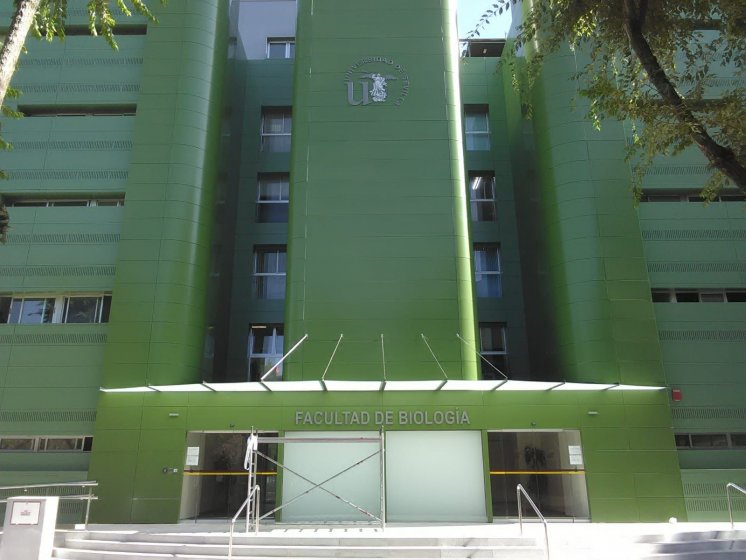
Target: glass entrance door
[550,467]
[216,487]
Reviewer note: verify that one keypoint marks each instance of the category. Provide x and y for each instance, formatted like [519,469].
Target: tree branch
[11,50]
[719,156]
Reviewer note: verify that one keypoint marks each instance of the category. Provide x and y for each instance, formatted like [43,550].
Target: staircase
[112,545]
[700,545]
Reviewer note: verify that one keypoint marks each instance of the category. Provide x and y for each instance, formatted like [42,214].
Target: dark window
[487,272]
[492,48]
[709,440]
[272,198]
[494,349]
[736,297]
[482,197]
[687,297]
[269,271]
[738,440]
[277,125]
[265,350]
[682,441]
[661,296]
[126,110]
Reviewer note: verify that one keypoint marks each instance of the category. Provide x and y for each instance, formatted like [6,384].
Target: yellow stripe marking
[232,473]
[536,472]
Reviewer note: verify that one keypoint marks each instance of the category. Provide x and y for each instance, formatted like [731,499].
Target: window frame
[59,308]
[265,136]
[487,273]
[503,334]
[275,353]
[482,110]
[264,178]
[288,42]
[261,279]
[39,444]
[475,202]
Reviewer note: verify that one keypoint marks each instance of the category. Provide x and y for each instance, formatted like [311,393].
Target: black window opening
[483,48]
[102,110]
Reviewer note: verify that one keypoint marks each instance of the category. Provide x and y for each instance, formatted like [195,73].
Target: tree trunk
[720,157]
[19,28]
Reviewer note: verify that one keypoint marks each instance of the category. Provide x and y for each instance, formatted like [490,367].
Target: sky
[469,12]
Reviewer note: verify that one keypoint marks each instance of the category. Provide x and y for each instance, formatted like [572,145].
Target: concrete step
[263,539]
[284,549]
[507,553]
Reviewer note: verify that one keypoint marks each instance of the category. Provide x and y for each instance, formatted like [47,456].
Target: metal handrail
[521,490]
[727,494]
[256,490]
[90,484]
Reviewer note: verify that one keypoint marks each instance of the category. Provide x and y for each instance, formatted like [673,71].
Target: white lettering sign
[450,417]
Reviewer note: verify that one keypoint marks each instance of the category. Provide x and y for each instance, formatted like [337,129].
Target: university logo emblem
[376,79]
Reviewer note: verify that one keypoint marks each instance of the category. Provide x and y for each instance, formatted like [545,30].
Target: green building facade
[334,186]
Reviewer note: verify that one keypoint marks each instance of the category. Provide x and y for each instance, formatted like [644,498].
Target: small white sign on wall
[25,513]
[192,457]
[576,455]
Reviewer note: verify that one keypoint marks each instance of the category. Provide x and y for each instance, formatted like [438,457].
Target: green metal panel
[378,241]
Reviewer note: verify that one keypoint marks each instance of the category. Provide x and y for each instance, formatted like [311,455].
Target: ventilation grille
[68,175]
[714,504]
[66,338]
[78,88]
[62,270]
[736,335]
[82,61]
[707,489]
[691,234]
[707,413]
[678,169]
[63,238]
[697,267]
[48,416]
[87,145]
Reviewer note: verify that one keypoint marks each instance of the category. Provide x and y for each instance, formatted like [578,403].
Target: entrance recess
[216,485]
[548,464]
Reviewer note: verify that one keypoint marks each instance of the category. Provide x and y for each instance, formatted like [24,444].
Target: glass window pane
[106,309]
[278,144]
[477,142]
[709,440]
[483,211]
[487,259]
[491,338]
[276,50]
[36,311]
[82,310]
[273,122]
[30,203]
[69,203]
[291,50]
[17,444]
[476,122]
[489,285]
[271,287]
[62,444]
[272,213]
[5,309]
[15,311]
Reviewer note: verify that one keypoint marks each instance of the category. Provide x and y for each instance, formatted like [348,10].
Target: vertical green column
[158,309]
[378,240]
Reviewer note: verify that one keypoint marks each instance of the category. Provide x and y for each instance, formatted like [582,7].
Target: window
[477,128]
[702,295]
[710,441]
[36,310]
[492,341]
[269,271]
[277,123]
[482,194]
[482,47]
[65,202]
[689,195]
[47,443]
[87,309]
[125,110]
[272,197]
[280,48]
[265,350]
[487,270]
[30,311]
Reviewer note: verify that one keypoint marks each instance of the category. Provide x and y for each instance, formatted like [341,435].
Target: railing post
[88,507]
[520,513]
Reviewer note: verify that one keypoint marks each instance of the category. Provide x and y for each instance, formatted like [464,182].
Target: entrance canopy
[377,386]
